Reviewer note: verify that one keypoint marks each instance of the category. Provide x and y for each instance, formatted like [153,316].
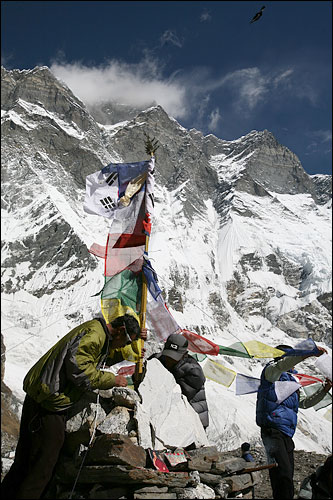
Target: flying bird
[258,15]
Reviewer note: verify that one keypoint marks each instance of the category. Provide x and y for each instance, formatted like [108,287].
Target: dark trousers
[41,438]
[280,449]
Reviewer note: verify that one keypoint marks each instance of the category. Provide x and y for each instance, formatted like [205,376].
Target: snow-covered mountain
[241,238]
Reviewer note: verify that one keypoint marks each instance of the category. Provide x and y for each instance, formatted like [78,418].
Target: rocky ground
[305,464]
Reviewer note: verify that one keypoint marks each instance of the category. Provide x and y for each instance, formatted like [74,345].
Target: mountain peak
[262,160]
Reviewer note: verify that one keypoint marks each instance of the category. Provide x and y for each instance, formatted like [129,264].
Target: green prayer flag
[122,295]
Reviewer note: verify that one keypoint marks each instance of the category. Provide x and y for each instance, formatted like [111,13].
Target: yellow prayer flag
[218,373]
[260,350]
[328,415]
[113,308]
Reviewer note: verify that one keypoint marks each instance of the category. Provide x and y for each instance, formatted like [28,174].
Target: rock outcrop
[10,423]
[106,463]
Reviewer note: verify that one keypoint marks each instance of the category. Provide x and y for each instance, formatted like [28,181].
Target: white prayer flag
[284,388]
[246,385]
[101,194]
[324,364]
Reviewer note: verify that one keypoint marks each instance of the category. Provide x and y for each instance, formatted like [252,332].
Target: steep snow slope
[241,239]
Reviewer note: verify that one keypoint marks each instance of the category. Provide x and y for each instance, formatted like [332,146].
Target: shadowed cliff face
[40,87]
[9,407]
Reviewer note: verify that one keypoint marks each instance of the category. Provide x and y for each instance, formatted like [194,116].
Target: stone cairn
[114,466]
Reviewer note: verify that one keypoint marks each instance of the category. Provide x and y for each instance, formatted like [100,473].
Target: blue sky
[202,61]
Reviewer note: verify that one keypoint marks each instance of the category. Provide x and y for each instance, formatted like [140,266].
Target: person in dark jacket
[187,372]
[319,484]
[246,455]
[276,415]
[53,385]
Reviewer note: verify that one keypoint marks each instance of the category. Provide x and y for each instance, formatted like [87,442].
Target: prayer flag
[151,278]
[199,357]
[218,373]
[326,401]
[129,212]
[246,384]
[305,380]
[102,193]
[238,349]
[124,367]
[328,415]
[259,350]
[324,364]
[199,344]
[311,389]
[158,315]
[284,388]
[160,319]
[127,370]
[121,293]
[303,348]
[111,188]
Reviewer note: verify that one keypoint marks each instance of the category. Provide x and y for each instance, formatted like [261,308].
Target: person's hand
[143,334]
[143,351]
[120,381]
[328,385]
[321,350]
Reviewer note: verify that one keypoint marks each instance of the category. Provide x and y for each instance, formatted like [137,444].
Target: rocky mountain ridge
[240,240]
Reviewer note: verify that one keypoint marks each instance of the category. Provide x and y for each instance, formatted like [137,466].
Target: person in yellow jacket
[54,384]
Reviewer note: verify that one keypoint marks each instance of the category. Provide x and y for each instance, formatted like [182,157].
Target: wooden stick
[144,297]
[259,467]
[143,304]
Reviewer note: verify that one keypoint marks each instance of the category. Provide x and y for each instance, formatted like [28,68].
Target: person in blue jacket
[246,455]
[276,415]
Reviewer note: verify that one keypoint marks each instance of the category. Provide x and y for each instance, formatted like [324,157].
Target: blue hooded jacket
[269,413]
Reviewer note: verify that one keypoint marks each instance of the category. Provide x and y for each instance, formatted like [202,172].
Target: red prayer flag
[305,380]
[199,344]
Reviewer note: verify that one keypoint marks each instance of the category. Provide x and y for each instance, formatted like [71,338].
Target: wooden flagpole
[144,298]
[143,304]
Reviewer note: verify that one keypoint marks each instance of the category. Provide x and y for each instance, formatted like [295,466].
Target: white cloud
[197,94]
[171,37]
[214,119]
[321,136]
[202,106]
[282,77]
[248,86]
[205,16]
[321,140]
[5,59]
[324,135]
[133,84]
[252,86]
